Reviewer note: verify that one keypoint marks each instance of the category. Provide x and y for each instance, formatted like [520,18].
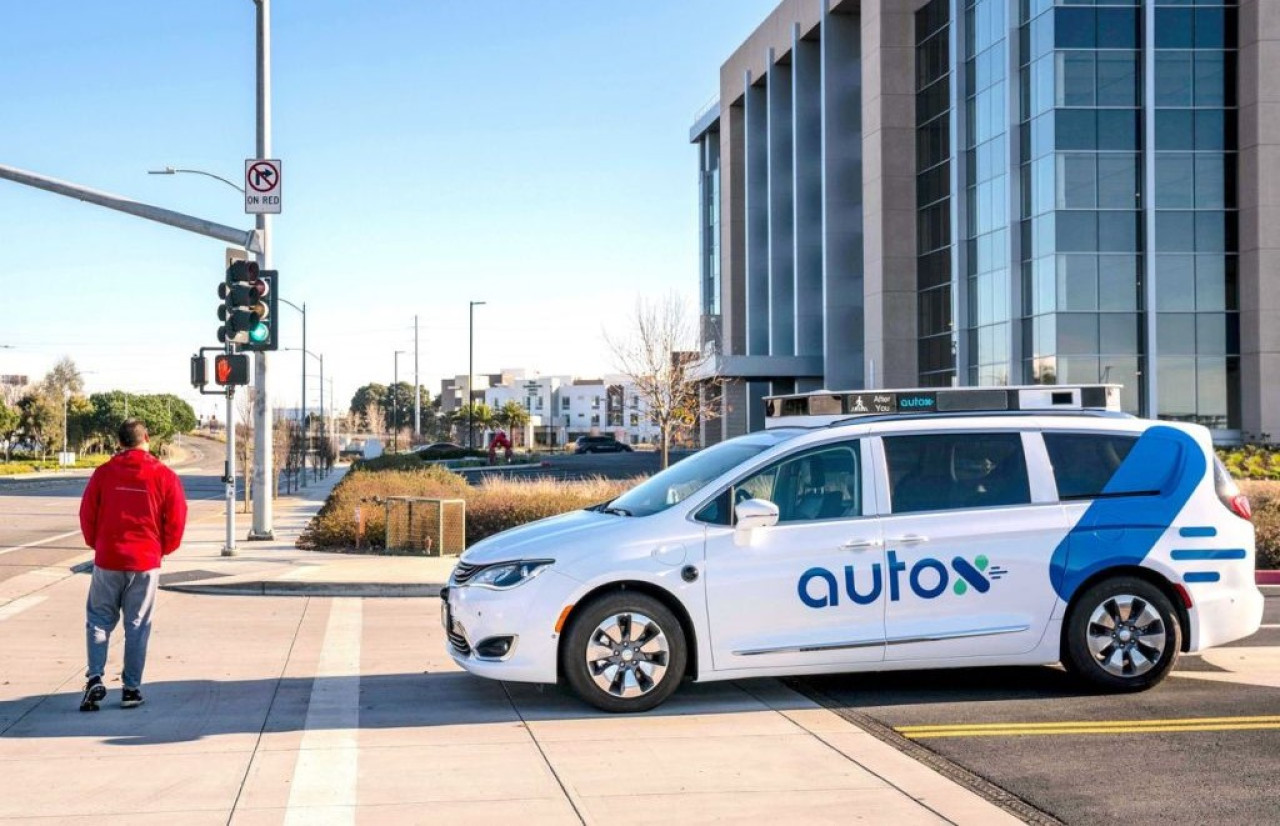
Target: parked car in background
[601,444]
[439,450]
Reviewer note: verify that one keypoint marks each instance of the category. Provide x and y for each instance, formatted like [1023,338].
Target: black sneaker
[131,698]
[94,693]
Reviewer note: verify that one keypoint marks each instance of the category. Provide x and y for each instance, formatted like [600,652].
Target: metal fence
[430,527]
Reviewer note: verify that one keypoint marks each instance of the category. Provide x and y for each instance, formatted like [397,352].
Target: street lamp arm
[299,350]
[169,170]
[284,300]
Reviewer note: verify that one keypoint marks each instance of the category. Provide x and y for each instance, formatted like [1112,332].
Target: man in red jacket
[133,513]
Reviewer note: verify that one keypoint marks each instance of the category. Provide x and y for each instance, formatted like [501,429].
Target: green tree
[482,417]
[398,403]
[39,420]
[512,416]
[9,420]
[370,395]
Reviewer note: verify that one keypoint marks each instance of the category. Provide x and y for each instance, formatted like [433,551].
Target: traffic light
[263,333]
[239,294]
[230,369]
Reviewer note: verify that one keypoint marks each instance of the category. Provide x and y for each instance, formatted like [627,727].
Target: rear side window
[947,471]
[1083,463]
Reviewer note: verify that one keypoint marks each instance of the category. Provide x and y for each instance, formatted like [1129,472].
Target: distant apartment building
[562,408]
[902,193]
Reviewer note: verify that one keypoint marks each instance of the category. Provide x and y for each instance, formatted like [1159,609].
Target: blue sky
[533,155]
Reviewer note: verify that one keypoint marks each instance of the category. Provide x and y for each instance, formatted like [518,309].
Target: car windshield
[687,477]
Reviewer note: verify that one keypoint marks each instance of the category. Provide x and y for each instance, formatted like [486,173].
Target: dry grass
[492,507]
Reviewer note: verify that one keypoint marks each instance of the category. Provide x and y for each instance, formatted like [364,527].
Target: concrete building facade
[900,193]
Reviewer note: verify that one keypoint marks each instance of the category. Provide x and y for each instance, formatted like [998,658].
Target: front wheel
[624,652]
[1122,635]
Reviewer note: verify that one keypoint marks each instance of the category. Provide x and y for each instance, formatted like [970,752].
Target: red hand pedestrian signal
[231,370]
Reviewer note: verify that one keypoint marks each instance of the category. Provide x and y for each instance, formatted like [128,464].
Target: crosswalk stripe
[324,778]
[19,605]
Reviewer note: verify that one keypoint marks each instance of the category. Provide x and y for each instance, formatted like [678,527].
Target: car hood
[558,537]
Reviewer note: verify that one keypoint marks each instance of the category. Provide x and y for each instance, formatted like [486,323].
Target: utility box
[426,527]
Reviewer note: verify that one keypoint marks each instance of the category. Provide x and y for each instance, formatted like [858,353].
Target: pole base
[228,551]
[266,536]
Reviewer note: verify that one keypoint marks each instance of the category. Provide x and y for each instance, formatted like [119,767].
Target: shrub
[499,504]
[1265,499]
[493,506]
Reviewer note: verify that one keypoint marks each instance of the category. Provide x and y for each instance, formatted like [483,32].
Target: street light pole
[417,395]
[302,404]
[395,418]
[263,473]
[66,398]
[471,369]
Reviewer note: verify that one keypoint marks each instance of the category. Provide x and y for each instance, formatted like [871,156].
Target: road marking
[1091,727]
[39,542]
[1270,625]
[19,605]
[324,780]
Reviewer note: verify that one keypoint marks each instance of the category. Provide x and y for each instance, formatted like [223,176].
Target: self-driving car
[879,530]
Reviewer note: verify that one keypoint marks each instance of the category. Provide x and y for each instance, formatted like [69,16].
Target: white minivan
[898,529]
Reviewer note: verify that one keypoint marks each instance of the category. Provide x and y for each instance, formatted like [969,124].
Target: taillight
[1229,492]
[1240,507]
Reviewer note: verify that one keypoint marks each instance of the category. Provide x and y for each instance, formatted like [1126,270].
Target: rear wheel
[1122,635]
[624,652]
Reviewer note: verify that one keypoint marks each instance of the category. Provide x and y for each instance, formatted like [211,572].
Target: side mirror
[756,513]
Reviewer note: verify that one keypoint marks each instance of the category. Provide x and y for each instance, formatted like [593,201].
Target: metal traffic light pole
[263,464]
[229,548]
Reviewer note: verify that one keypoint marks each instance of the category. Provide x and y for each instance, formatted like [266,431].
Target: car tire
[638,669]
[1122,634]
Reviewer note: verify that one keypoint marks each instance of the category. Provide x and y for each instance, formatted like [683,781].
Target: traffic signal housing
[230,370]
[263,334]
[239,294]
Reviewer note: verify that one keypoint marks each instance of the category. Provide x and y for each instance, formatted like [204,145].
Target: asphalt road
[1132,759]
[39,519]
[607,465]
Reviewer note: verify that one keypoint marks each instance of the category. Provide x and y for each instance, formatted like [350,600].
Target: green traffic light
[259,333]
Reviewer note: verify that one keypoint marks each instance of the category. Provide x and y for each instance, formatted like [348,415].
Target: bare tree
[660,358]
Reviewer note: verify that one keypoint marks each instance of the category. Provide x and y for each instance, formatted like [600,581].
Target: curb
[287,588]
[1267,577]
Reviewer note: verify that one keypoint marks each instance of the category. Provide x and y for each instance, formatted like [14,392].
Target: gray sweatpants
[110,594]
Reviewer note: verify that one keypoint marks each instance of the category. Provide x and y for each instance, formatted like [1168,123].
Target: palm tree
[481,417]
[513,417]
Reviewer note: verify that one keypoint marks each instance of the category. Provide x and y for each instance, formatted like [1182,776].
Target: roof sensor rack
[824,407]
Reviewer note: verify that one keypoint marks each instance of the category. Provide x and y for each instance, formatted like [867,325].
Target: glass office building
[1051,191]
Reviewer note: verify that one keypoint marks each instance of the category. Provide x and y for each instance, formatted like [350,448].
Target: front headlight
[509,574]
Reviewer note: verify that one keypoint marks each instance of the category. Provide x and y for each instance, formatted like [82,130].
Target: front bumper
[527,612]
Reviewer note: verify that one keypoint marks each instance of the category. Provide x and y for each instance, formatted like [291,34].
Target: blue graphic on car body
[1137,506]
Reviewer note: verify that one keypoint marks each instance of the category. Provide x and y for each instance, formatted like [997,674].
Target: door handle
[910,539]
[860,544]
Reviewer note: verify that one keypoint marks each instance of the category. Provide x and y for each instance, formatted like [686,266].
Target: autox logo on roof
[927,579]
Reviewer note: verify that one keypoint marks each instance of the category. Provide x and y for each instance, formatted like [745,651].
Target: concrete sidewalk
[278,568]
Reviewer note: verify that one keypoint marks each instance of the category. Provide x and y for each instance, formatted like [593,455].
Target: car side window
[820,484]
[1083,463]
[947,471]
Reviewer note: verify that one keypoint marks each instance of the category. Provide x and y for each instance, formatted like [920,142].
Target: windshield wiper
[616,511]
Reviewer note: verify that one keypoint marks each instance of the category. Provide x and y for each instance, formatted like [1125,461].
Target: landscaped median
[493,504]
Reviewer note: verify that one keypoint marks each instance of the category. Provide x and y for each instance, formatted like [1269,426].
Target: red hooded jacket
[133,512]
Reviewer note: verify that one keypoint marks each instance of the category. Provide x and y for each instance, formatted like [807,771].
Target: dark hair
[132,433]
